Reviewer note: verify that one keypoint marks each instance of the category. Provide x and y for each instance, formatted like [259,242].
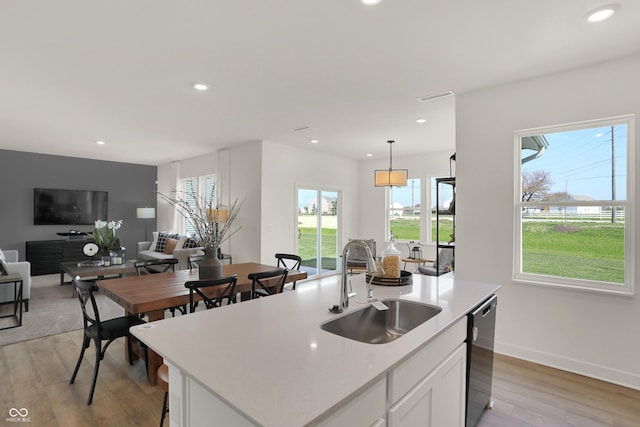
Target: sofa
[168,245]
[21,267]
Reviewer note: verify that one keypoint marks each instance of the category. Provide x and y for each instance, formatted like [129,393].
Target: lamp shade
[145,213]
[218,215]
[391,177]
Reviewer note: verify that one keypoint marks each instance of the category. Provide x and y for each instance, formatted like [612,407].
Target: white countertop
[269,359]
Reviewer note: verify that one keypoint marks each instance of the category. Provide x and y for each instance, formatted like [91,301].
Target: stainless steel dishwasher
[480,337]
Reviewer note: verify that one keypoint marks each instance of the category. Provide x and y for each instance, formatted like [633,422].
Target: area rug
[52,310]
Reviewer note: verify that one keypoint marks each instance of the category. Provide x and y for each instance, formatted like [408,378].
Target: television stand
[45,256]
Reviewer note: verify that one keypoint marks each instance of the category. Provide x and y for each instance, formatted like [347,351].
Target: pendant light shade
[391,177]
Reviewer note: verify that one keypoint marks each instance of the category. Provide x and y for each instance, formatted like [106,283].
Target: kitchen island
[267,361]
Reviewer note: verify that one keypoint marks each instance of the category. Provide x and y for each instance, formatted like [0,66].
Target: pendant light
[391,177]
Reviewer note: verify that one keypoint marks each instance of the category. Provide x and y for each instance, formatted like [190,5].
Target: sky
[580,162]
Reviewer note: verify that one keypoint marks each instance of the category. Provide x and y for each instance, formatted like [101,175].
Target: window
[573,207]
[318,230]
[197,189]
[446,198]
[404,211]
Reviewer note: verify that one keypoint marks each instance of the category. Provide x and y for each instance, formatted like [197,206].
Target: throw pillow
[162,241]
[190,243]
[3,267]
[170,245]
[154,239]
[2,256]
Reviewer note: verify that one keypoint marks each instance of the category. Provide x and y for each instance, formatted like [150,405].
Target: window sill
[604,288]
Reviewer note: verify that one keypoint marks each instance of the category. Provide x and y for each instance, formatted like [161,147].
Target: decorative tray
[97,263]
[406,278]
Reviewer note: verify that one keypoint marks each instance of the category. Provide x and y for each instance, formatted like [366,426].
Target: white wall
[596,335]
[245,174]
[265,176]
[284,168]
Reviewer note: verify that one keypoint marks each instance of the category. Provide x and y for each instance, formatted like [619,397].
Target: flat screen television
[68,207]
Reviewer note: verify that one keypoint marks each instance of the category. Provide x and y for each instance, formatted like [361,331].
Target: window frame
[201,193]
[518,276]
[422,219]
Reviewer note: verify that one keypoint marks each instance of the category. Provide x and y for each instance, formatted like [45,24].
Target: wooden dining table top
[154,292]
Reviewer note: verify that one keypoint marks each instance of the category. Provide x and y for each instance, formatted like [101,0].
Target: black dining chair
[289,262]
[98,330]
[154,266]
[163,382]
[267,282]
[200,288]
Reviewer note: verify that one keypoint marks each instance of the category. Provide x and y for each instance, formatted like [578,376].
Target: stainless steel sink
[375,326]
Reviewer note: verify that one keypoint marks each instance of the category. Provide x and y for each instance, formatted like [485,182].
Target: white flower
[105,233]
[113,225]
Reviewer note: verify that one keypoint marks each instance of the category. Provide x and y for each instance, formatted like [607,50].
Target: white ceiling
[76,71]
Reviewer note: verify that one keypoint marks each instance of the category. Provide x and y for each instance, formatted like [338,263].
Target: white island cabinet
[268,363]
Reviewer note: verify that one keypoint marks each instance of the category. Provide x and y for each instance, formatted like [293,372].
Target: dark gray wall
[130,186]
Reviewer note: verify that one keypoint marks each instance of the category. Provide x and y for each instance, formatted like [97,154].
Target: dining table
[152,294]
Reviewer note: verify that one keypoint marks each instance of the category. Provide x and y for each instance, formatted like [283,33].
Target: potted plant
[212,223]
[104,234]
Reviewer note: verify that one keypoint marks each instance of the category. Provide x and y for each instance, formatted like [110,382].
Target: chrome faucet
[371,268]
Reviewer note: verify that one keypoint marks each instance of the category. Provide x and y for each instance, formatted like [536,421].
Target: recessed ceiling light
[200,87]
[602,13]
[314,141]
[369,155]
[421,120]
[100,142]
[370,2]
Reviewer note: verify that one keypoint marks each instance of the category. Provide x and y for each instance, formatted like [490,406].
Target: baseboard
[603,373]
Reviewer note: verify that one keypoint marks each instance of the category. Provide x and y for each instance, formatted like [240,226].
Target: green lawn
[308,242]
[581,250]
[408,228]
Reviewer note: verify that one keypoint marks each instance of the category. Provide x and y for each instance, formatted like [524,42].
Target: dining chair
[200,288]
[163,382]
[155,266]
[267,282]
[203,288]
[289,262]
[98,330]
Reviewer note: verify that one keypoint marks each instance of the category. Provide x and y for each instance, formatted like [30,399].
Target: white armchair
[24,269]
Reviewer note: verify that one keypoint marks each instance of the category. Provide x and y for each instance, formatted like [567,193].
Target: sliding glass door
[318,213]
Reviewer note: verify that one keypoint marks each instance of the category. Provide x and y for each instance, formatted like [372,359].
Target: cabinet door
[438,400]
[365,409]
[45,256]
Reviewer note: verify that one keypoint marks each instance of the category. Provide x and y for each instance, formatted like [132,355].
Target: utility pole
[613,173]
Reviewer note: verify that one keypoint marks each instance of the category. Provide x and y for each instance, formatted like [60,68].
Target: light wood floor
[526,394]
[35,375]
